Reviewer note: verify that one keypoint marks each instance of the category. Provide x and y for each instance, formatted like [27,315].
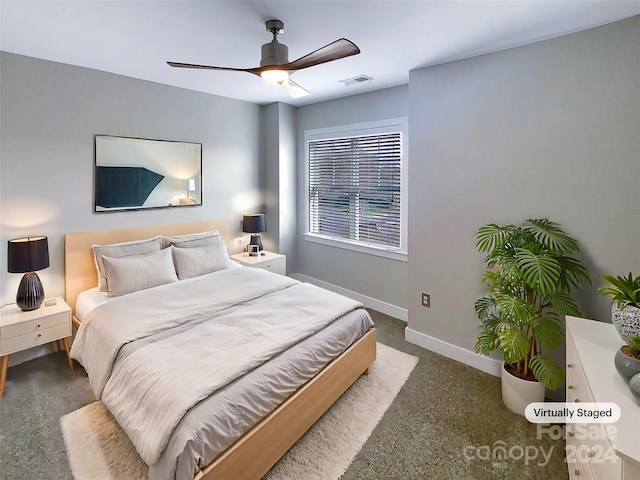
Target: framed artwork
[138,173]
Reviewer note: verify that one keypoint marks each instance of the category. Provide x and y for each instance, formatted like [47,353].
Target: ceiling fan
[275,66]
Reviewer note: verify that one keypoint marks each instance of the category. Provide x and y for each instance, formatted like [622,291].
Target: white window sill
[393,254]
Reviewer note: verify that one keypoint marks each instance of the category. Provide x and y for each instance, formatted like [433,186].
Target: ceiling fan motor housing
[274,53]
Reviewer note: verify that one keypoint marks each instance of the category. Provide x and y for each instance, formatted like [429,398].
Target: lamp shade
[28,254]
[253,223]
[191,185]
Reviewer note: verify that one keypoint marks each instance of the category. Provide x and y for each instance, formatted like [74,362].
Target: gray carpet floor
[446,423]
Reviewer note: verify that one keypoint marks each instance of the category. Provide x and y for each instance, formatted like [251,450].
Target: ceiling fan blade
[334,51]
[295,90]
[209,67]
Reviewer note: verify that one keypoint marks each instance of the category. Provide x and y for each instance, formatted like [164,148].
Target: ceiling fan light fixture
[275,76]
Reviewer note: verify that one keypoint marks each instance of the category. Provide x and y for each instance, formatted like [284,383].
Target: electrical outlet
[239,241]
[426,300]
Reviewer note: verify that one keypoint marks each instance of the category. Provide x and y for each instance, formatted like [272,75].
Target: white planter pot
[626,321]
[518,393]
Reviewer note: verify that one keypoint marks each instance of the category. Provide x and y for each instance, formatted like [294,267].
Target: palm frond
[541,272]
[515,310]
[563,303]
[487,342]
[548,332]
[485,307]
[489,236]
[546,371]
[573,273]
[550,234]
[514,345]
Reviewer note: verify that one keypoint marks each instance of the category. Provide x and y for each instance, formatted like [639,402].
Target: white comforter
[242,317]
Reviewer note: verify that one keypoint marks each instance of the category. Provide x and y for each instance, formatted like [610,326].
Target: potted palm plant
[531,270]
[625,304]
[625,316]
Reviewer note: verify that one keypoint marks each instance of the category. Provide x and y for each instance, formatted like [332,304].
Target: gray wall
[546,130]
[278,140]
[50,113]
[372,276]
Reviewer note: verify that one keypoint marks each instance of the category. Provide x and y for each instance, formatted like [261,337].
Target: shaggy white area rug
[99,450]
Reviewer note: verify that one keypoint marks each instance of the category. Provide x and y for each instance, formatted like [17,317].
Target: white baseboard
[375,304]
[481,362]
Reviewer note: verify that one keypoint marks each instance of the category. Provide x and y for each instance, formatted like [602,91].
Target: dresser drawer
[577,386]
[589,449]
[577,459]
[33,326]
[604,462]
[33,339]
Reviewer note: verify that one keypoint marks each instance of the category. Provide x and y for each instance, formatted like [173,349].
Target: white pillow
[190,240]
[133,273]
[196,261]
[124,249]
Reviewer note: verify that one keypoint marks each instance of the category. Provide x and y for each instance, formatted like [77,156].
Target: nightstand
[21,330]
[273,262]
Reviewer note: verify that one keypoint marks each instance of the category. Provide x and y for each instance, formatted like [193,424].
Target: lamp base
[30,292]
[256,240]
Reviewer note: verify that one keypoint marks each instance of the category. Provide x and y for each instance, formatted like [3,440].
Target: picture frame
[138,173]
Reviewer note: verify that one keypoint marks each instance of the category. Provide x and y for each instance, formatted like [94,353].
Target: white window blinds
[354,188]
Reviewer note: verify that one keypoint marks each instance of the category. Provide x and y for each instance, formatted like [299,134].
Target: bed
[344,350]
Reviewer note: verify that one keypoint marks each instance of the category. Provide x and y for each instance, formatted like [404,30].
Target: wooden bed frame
[252,455]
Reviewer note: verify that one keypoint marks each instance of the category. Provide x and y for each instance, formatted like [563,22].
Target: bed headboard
[79,267]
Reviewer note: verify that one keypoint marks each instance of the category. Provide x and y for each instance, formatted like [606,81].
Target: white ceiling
[136,38]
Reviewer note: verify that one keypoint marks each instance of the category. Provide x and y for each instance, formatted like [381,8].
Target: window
[355,179]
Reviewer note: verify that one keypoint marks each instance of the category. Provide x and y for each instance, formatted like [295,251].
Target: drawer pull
[571,434]
[38,326]
[571,387]
[577,400]
[577,472]
[570,365]
[39,335]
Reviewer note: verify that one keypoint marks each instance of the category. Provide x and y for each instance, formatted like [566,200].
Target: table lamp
[254,223]
[27,255]
[191,186]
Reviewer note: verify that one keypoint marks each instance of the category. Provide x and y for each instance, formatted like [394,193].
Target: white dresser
[600,451]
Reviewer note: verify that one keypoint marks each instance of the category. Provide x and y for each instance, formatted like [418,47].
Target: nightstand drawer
[33,326]
[33,339]
[274,262]
[277,265]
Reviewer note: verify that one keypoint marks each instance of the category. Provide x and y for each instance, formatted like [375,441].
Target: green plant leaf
[490,236]
[485,307]
[550,235]
[546,371]
[564,304]
[548,332]
[624,290]
[515,309]
[541,272]
[573,273]
[487,342]
[634,345]
[514,345]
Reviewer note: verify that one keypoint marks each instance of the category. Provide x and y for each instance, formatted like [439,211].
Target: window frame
[392,125]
